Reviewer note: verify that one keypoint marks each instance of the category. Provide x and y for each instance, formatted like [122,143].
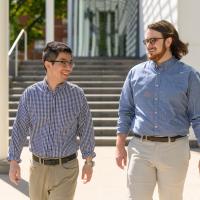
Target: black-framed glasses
[152,41]
[64,62]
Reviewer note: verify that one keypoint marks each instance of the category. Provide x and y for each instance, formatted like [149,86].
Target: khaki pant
[53,182]
[164,163]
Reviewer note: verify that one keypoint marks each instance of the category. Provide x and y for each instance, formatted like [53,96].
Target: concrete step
[82,77]
[87,83]
[107,141]
[92,104]
[111,141]
[91,62]
[87,90]
[105,121]
[90,97]
[79,67]
[105,131]
[78,72]
[101,80]
[104,112]
[100,121]
[102,140]
[101,131]
[95,112]
[98,131]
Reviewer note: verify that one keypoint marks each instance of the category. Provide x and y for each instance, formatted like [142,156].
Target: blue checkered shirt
[53,119]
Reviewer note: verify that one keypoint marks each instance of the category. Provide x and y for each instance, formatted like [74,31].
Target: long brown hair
[178,48]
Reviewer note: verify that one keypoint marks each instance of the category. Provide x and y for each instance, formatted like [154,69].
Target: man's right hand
[120,152]
[121,156]
[14,172]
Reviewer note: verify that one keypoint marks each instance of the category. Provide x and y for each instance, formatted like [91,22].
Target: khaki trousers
[53,182]
[162,163]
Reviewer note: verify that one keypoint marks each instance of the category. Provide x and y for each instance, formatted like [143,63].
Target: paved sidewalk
[108,183]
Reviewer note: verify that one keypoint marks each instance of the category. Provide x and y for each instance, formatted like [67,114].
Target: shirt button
[157,85]
[156,113]
[156,99]
[155,126]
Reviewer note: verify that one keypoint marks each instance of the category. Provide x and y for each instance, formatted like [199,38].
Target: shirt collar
[165,65]
[46,87]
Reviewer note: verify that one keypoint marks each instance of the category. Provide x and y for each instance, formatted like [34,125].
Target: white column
[116,49]
[86,31]
[81,27]
[142,28]
[75,34]
[49,20]
[189,29]
[108,32]
[70,23]
[97,36]
[94,31]
[4,167]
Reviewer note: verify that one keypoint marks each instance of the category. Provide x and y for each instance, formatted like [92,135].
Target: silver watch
[90,163]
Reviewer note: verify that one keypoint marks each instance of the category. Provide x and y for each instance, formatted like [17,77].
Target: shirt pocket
[67,118]
[39,118]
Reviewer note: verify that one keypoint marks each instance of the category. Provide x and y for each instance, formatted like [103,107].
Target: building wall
[183,14]
[128,27]
[155,10]
[189,29]
[132,28]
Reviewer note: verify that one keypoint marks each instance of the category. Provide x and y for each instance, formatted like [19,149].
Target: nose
[68,65]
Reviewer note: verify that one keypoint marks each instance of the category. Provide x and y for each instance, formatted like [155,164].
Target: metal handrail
[15,46]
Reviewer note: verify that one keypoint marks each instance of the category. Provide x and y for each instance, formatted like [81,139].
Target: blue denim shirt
[160,100]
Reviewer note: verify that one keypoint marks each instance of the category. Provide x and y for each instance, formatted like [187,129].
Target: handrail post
[25,46]
[15,46]
[16,60]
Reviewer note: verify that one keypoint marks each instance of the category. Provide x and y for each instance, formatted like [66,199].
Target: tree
[30,15]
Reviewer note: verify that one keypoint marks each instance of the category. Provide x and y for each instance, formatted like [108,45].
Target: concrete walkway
[108,183]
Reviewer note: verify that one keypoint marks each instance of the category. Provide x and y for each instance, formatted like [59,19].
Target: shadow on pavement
[22,186]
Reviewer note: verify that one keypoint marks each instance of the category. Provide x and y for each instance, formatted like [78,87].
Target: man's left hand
[87,171]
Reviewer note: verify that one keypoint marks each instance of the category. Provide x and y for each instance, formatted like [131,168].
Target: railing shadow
[21,187]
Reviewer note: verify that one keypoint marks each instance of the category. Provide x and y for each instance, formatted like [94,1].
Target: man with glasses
[159,101]
[54,113]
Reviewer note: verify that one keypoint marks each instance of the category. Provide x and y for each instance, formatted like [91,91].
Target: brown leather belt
[53,161]
[158,139]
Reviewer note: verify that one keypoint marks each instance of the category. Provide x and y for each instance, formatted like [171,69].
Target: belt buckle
[144,137]
[172,139]
[60,161]
[42,160]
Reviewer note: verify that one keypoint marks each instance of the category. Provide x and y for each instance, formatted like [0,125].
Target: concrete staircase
[101,79]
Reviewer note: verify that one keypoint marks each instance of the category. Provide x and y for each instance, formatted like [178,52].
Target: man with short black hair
[54,113]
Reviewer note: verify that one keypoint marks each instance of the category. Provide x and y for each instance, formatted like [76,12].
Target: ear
[168,42]
[47,64]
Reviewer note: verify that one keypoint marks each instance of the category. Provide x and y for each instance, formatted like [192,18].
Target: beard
[158,56]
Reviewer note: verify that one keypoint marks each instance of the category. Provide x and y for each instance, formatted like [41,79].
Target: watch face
[90,163]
